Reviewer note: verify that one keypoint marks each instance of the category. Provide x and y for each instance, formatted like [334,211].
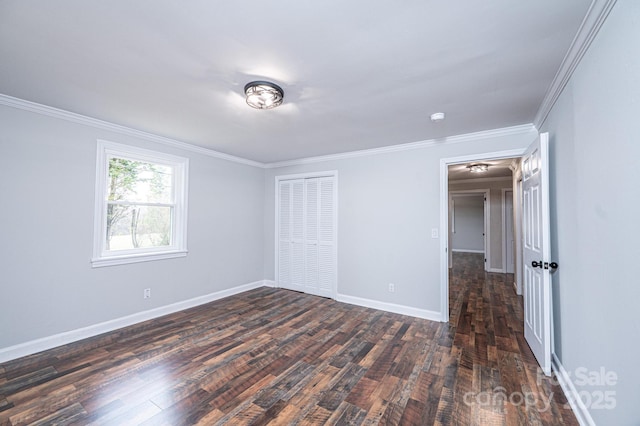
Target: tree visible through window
[143,207]
[140,205]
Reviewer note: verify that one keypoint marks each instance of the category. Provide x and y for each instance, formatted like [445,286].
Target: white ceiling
[356,74]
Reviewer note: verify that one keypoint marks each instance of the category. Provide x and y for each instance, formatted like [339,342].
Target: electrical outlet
[392,288]
[147,293]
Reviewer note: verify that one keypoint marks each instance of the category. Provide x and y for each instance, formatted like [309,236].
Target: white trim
[99,262]
[390,307]
[503,216]
[487,232]
[505,131]
[504,227]
[269,283]
[444,215]
[517,221]
[61,114]
[571,393]
[495,270]
[180,165]
[591,24]
[487,179]
[467,251]
[49,342]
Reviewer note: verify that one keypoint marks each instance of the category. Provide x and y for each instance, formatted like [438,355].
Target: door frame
[486,219]
[505,245]
[517,225]
[329,173]
[444,214]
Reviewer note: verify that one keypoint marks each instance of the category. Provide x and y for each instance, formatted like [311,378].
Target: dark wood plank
[271,356]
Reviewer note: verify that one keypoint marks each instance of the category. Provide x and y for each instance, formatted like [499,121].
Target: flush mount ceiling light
[263,94]
[478,168]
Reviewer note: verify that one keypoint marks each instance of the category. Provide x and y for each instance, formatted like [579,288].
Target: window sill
[135,258]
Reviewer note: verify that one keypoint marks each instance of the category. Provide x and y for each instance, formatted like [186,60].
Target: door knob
[545,265]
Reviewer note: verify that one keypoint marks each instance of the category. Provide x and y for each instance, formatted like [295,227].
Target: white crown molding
[73,117]
[49,342]
[37,108]
[591,24]
[485,134]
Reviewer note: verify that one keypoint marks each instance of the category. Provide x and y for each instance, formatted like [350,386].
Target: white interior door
[536,256]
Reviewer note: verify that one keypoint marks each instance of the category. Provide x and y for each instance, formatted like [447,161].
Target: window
[141,205]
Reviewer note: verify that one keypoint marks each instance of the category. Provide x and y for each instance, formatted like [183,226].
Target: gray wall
[468,221]
[595,198]
[387,205]
[47,173]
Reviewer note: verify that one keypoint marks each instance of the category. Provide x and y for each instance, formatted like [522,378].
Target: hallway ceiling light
[478,168]
[263,94]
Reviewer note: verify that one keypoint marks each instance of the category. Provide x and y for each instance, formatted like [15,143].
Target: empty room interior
[407,213]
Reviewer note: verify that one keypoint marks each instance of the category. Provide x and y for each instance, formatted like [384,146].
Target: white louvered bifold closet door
[307,236]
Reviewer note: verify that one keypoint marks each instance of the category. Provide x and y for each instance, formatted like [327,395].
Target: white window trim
[179,247]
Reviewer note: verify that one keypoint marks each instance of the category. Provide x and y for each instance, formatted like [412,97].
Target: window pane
[138,181]
[130,227]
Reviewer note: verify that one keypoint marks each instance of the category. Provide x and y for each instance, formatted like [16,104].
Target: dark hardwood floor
[271,356]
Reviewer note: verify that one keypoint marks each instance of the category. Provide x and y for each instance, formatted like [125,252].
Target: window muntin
[141,207]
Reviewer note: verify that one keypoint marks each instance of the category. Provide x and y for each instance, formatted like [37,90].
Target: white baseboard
[570,391]
[34,346]
[390,307]
[496,270]
[466,251]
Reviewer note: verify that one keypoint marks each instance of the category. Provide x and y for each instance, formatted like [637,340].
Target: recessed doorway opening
[455,176]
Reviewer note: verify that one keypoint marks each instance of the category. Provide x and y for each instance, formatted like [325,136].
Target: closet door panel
[326,238]
[311,235]
[297,236]
[284,235]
